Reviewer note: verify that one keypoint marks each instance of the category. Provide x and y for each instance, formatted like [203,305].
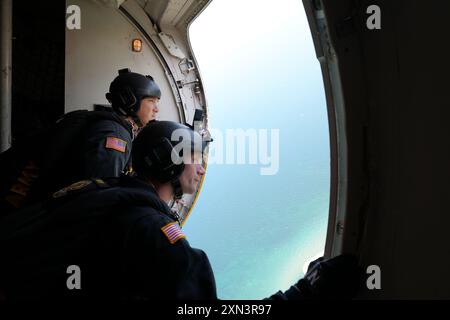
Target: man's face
[148,110]
[193,171]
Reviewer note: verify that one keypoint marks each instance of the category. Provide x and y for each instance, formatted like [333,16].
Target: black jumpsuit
[124,239]
[83,145]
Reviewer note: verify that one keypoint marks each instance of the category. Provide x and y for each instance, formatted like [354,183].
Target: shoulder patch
[173,232]
[74,186]
[116,144]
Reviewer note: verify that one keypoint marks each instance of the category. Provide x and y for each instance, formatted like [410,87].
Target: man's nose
[155,108]
[201,170]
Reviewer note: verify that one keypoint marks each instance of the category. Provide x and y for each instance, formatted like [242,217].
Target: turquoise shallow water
[259,231]
[258,234]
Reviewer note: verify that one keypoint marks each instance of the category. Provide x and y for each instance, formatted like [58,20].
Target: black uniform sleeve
[299,291]
[163,270]
[339,277]
[103,159]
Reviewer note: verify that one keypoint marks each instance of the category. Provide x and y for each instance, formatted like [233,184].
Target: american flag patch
[173,232]
[116,144]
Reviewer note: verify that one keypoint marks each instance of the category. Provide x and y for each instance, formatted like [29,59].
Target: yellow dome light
[137,45]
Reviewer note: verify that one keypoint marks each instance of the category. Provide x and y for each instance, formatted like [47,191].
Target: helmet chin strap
[177,191]
[137,120]
[135,127]
[133,114]
[135,117]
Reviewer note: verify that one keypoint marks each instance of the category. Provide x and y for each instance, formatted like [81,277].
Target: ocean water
[260,72]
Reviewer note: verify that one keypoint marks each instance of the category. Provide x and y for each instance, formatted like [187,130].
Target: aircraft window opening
[263,210]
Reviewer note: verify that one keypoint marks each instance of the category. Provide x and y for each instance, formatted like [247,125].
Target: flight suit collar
[153,198]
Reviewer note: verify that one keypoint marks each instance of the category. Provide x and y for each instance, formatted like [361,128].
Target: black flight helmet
[157,151]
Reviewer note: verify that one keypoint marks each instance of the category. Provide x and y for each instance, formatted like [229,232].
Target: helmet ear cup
[115,99]
[128,99]
[164,161]
[124,101]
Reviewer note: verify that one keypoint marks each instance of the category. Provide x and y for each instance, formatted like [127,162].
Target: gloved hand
[336,278]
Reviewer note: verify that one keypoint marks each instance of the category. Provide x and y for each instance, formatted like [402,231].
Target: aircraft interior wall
[100,48]
[395,88]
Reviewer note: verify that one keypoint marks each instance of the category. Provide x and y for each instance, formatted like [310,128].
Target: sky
[260,73]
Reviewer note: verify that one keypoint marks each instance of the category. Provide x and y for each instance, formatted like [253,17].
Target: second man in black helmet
[125,242]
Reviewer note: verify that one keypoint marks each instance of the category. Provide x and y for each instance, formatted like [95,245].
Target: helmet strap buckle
[177,190]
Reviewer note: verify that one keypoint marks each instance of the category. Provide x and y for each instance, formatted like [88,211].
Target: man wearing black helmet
[134,96]
[82,144]
[134,99]
[125,241]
